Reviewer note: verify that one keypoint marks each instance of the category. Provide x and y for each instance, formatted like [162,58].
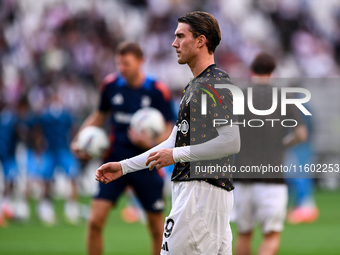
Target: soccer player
[122,95]
[263,200]
[300,185]
[56,124]
[8,142]
[199,219]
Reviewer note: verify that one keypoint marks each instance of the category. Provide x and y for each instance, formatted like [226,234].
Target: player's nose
[175,43]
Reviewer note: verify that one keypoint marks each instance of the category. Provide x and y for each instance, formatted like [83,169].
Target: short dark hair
[203,23]
[130,47]
[263,64]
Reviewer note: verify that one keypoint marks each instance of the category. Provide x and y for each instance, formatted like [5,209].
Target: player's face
[185,44]
[129,65]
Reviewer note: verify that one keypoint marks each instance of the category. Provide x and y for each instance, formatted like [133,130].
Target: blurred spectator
[79,38]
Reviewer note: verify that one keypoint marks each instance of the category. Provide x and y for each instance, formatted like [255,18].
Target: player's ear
[201,41]
[140,61]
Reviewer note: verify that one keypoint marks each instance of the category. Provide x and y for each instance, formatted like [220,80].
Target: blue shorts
[148,187]
[10,168]
[67,161]
[43,165]
[39,165]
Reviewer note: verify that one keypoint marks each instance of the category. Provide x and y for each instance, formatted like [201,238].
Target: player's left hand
[77,152]
[109,172]
[160,158]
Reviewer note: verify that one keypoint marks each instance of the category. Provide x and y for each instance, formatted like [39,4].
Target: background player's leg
[155,223]
[10,169]
[270,244]
[148,186]
[72,169]
[243,243]
[46,211]
[99,211]
[100,207]
[244,210]
[271,212]
[45,208]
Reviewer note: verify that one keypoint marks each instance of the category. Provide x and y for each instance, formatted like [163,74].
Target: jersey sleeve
[294,113]
[104,103]
[164,101]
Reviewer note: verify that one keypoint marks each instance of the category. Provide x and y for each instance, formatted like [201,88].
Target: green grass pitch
[321,237]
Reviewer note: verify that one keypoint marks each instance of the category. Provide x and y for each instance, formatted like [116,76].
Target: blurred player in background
[302,204]
[122,95]
[35,145]
[263,201]
[199,219]
[8,142]
[56,125]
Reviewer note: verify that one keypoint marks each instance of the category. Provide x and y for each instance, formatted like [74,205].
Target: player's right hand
[109,172]
[79,153]
[140,139]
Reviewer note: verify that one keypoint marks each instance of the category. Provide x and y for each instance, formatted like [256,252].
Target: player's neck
[200,63]
[137,81]
[261,79]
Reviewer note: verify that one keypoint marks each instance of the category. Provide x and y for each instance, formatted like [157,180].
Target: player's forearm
[299,135]
[138,163]
[97,119]
[226,143]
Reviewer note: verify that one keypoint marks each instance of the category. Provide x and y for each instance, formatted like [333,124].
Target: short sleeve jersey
[56,125]
[121,101]
[196,127]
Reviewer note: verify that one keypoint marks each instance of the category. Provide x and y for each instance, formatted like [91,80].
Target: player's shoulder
[109,81]
[159,87]
[219,74]
[8,115]
[211,76]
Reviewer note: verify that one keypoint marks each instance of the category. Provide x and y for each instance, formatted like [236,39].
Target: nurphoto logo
[238,103]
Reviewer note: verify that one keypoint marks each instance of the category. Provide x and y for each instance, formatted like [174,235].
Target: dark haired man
[199,219]
[122,95]
[263,200]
